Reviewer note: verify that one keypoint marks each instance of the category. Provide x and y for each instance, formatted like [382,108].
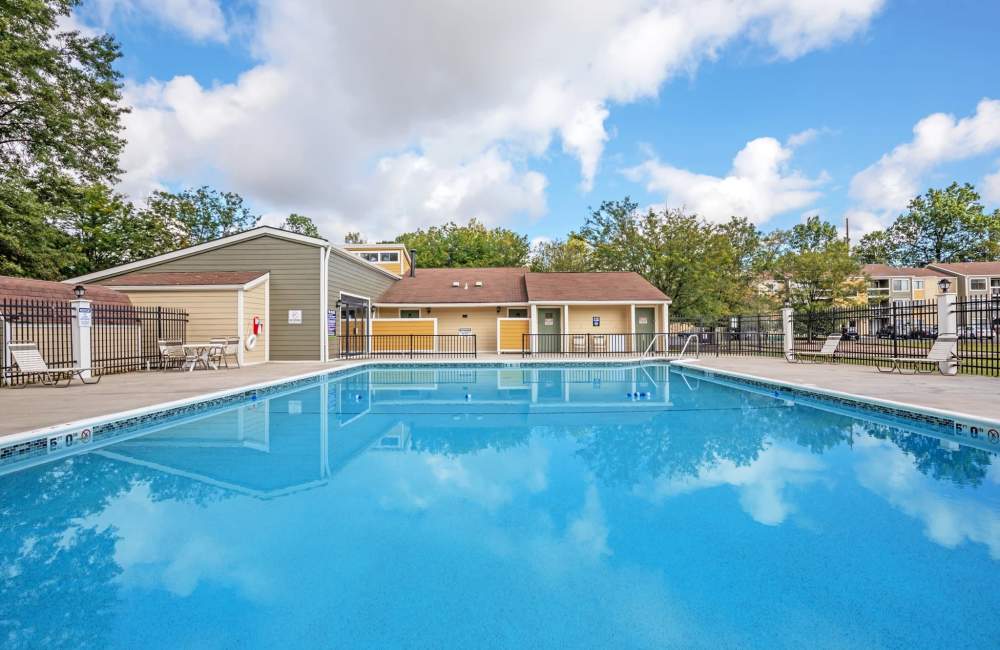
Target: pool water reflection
[463,507]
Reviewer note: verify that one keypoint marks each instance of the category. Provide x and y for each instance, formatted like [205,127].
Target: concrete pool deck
[37,407]
[971,395]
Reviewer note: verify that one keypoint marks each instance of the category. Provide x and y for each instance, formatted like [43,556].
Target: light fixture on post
[79,290]
[944,284]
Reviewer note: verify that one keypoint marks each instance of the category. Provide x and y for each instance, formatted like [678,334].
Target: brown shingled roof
[516,285]
[184,278]
[591,286]
[434,286]
[884,270]
[972,268]
[15,289]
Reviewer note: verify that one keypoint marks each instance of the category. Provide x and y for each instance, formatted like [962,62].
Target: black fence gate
[47,324]
[740,335]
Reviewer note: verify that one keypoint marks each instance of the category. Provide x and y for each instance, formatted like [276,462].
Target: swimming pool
[598,506]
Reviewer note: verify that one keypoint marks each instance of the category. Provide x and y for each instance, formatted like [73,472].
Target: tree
[874,248]
[354,237]
[106,230]
[814,265]
[471,245]
[60,123]
[570,254]
[300,224]
[201,215]
[948,225]
[706,269]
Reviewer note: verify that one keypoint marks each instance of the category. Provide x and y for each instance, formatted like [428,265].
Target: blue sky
[522,115]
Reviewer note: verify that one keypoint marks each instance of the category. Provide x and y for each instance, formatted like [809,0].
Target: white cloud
[991,187]
[801,138]
[759,186]
[352,100]
[198,19]
[886,186]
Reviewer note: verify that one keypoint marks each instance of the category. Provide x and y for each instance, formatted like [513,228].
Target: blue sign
[331,322]
[597,321]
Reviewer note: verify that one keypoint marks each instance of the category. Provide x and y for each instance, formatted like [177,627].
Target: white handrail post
[82,318]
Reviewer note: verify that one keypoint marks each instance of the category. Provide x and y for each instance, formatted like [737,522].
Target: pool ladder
[697,347]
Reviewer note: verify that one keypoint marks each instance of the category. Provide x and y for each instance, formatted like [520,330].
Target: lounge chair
[30,363]
[828,352]
[939,353]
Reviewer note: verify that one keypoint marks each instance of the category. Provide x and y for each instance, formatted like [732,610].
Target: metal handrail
[697,346]
[652,341]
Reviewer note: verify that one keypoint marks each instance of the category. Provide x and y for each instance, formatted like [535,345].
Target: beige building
[971,279]
[392,257]
[560,312]
[890,284]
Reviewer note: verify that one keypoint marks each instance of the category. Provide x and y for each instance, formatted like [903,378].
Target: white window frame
[388,256]
[368,256]
[985,284]
[524,309]
[918,284]
[401,317]
[900,281]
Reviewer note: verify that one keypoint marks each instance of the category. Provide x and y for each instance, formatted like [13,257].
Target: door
[645,327]
[549,329]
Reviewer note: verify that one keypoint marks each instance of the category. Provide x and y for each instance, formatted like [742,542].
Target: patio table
[202,355]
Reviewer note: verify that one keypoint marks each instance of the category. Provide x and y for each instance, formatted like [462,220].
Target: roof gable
[17,289]
[596,287]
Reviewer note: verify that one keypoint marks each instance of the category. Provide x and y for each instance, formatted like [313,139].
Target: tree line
[61,111]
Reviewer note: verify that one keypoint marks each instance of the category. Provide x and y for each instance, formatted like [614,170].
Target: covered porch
[594,328]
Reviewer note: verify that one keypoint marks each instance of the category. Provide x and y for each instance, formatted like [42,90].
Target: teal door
[549,330]
[645,327]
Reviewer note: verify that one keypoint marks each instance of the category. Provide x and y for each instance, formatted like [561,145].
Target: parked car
[890,332]
[924,332]
[975,332]
[849,334]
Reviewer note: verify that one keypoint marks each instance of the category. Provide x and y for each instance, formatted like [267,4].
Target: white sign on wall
[85,315]
[294,316]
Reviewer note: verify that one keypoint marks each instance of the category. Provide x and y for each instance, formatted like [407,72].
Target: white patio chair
[828,352]
[227,347]
[172,354]
[30,362]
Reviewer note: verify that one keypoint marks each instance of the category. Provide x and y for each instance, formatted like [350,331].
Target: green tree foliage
[469,245]
[874,248]
[707,269]
[60,123]
[106,230]
[948,225]
[815,267]
[558,255]
[355,237]
[300,224]
[200,215]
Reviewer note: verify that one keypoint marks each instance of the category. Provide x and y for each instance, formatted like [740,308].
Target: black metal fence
[47,324]
[406,346]
[740,335]
[124,338]
[978,320]
[870,333]
[593,345]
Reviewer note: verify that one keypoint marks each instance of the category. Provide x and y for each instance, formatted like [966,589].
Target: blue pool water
[547,508]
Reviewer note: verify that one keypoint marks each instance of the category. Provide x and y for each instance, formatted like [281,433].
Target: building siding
[295,284]
[211,314]
[253,305]
[353,277]
[481,320]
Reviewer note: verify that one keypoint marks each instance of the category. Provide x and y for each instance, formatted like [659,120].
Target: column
[532,327]
[788,335]
[948,324]
[82,318]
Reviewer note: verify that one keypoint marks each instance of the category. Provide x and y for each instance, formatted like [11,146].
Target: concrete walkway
[969,394]
[36,406]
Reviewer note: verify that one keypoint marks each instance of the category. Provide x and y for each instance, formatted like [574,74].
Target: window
[409,313]
[369,257]
[901,285]
[388,257]
[995,284]
[918,284]
[977,284]
[517,312]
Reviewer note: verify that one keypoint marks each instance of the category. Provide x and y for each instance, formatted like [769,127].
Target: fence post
[948,324]
[787,331]
[83,315]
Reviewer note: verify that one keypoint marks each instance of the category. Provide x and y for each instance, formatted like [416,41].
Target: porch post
[948,324]
[532,328]
[788,336]
[82,318]
[631,329]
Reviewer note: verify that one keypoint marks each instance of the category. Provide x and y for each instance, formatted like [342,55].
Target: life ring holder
[251,342]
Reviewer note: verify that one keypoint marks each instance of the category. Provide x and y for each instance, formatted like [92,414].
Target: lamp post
[79,290]
[944,284]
